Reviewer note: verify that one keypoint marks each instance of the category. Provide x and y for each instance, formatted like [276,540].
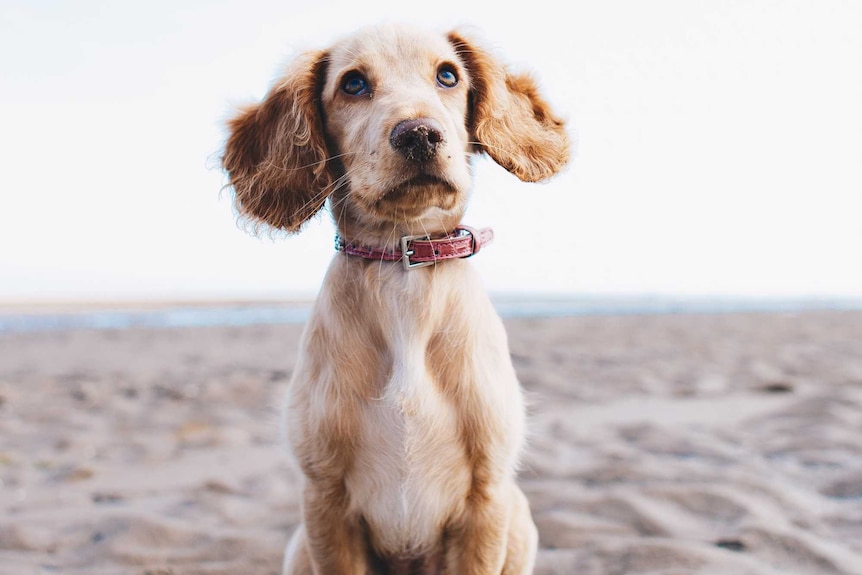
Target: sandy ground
[687,444]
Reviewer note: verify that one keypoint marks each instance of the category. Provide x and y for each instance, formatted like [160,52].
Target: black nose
[417,140]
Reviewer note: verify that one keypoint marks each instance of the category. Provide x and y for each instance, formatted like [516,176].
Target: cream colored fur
[404,413]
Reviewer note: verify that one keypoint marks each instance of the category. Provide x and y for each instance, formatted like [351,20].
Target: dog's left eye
[354,84]
[446,76]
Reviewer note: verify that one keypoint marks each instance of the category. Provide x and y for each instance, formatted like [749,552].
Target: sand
[665,444]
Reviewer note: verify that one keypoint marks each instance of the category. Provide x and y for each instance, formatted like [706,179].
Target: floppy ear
[276,152]
[509,119]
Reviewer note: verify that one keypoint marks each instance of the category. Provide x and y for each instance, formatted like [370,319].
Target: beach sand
[660,444]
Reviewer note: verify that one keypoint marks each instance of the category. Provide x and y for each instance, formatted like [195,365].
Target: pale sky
[719,146]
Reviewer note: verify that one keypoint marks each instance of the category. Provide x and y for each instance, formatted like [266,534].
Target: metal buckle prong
[406,252]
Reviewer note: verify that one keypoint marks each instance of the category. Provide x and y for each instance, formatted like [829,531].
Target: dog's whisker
[334,185]
[490,147]
[276,167]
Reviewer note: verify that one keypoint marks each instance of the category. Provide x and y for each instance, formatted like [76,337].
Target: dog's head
[387,120]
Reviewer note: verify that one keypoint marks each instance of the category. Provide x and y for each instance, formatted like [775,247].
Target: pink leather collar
[421,251]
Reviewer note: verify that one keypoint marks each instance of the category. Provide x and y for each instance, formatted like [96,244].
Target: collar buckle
[406,252]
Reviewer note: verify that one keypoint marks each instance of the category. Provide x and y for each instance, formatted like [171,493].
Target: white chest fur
[410,471]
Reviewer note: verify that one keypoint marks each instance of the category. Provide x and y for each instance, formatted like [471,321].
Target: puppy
[404,411]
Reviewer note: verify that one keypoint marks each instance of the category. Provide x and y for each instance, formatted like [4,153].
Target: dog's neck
[355,227]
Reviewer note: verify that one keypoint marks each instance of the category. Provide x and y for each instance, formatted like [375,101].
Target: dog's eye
[446,76]
[354,84]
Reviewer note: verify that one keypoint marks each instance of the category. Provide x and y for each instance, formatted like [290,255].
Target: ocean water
[507,306]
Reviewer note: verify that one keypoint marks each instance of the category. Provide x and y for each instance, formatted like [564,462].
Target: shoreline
[19,317]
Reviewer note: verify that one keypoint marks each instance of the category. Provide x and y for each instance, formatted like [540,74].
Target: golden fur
[404,411]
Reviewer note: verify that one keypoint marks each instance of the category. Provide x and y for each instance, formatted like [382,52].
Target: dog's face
[384,122]
[395,104]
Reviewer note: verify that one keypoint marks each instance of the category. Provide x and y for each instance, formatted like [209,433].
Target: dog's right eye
[354,83]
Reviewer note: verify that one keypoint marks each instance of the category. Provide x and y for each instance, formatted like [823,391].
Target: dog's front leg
[478,545]
[336,543]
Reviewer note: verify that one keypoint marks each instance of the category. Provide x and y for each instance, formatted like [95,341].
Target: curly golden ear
[276,154]
[509,119]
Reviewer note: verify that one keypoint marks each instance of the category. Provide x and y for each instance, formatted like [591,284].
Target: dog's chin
[422,183]
[412,198]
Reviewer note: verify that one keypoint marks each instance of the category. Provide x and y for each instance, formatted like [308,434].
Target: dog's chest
[410,470]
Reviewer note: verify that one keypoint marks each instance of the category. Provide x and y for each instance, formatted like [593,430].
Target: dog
[404,412]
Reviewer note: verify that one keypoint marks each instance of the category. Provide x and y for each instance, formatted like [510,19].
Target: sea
[197,314]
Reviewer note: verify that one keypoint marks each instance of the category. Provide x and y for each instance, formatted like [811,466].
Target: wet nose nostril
[435,137]
[417,140]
